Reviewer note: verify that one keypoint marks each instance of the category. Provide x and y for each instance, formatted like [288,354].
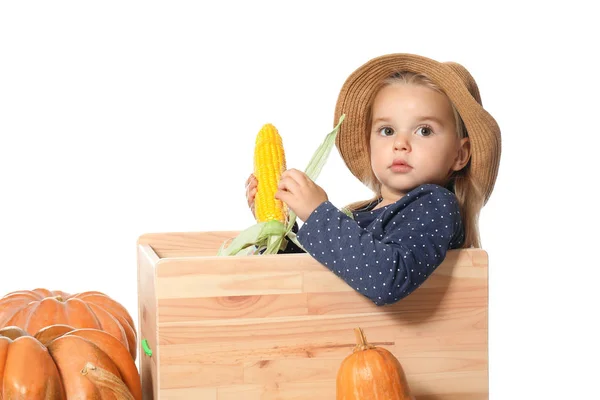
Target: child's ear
[463,155]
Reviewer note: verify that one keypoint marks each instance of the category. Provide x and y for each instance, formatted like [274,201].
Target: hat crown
[466,78]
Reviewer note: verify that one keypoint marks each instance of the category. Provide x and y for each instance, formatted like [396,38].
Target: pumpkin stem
[361,340]
[103,378]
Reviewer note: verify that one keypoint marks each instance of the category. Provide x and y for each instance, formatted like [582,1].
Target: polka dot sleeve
[385,254]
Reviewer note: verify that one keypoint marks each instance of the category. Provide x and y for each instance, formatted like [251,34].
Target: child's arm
[396,253]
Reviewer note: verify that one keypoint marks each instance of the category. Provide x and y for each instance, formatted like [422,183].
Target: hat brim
[359,90]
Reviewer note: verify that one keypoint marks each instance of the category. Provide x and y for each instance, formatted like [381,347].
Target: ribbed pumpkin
[372,373]
[33,310]
[60,362]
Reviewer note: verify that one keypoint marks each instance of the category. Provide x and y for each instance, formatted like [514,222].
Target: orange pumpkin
[372,373]
[33,310]
[60,362]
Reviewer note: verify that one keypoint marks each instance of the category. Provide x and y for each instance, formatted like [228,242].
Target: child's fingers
[284,196]
[251,188]
[252,185]
[251,180]
[288,183]
[250,195]
[295,174]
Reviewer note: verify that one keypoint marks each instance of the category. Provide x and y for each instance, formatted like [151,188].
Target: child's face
[413,139]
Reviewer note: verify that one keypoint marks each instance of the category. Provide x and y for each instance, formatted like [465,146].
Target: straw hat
[362,85]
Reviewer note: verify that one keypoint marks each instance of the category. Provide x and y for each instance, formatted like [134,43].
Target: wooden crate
[278,326]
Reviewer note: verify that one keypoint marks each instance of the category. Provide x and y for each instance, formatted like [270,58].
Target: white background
[121,118]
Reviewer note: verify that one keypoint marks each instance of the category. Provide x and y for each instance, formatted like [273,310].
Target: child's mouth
[400,166]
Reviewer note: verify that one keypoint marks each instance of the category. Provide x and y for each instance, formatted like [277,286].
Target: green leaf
[346,211]
[316,163]
[320,156]
[256,235]
[293,238]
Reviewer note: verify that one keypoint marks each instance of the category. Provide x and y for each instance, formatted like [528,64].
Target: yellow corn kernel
[269,164]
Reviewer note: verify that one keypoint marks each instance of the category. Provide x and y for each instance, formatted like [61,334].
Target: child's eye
[386,131]
[424,131]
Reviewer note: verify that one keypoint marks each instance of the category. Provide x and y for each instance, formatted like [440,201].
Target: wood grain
[278,326]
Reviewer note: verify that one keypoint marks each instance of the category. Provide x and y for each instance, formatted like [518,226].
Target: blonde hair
[470,197]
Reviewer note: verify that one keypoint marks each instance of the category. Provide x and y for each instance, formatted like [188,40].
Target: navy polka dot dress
[385,254]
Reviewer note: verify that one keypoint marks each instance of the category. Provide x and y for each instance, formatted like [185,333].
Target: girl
[416,134]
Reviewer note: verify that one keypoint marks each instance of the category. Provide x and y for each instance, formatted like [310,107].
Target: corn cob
[274,221]
[269,164]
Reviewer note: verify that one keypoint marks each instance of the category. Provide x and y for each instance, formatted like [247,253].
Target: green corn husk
[273,236]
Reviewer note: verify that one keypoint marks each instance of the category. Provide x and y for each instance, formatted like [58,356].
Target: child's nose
[401,143]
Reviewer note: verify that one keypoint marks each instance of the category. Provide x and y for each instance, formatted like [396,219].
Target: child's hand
[300,193]
[251,188]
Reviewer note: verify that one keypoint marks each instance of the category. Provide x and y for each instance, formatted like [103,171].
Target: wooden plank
[286,370]
[450,385]
[148,322]
[229,307]
[439,292]
[457,293]
[243,276]
[186,244]
[189,393]
[213,285]
[279,391]
[190,266]
[253,340]
[428,301]
[453,320]
[184,375]
[434,386]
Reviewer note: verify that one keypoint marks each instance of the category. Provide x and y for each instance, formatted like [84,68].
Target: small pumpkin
[372,373]
[62,363]
[33,310]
